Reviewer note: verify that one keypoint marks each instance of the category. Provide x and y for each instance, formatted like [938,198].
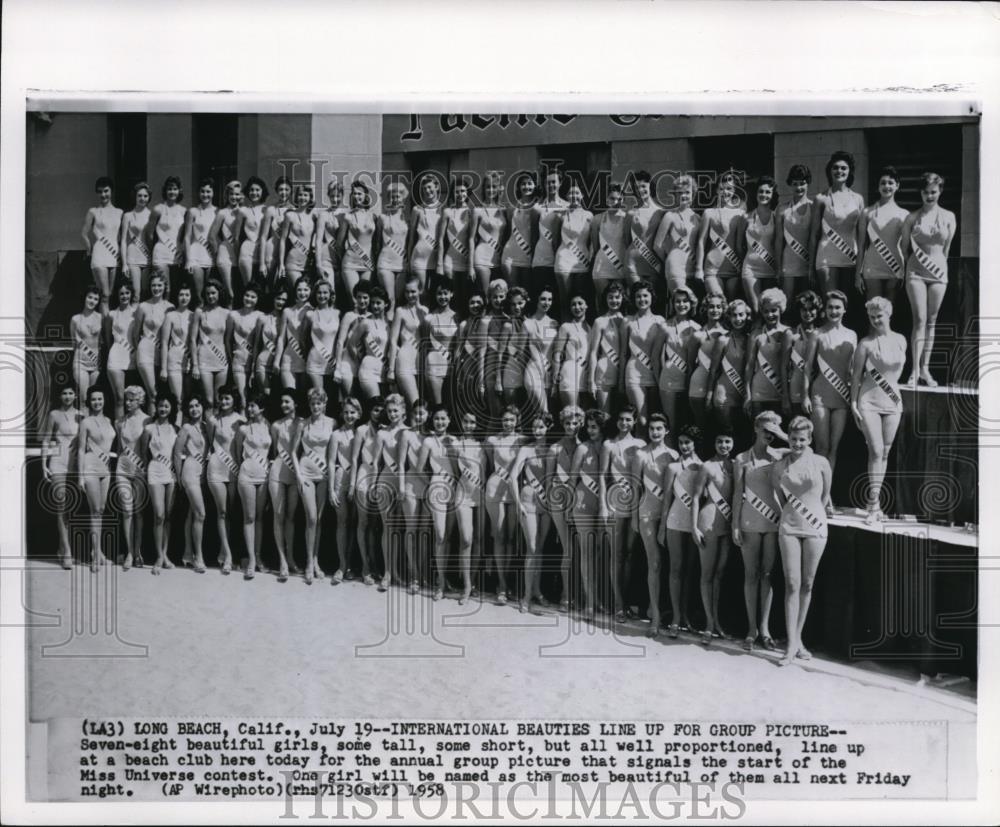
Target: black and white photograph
[413,452]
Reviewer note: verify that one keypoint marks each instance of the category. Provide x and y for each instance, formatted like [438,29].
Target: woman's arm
[718,349]
[592,352]
[739,482]
[861,239]
[265,229]
[193,344]
[749,369]
[228,337]
[286,226]
[815,225]
[397,326]
[787,343]
[807,372]
[165,333]
[558,352]
[602,483]
[186,235]
[700,486]
[88,226]
[668,500]
[472,229]
[178,455]
[857,375]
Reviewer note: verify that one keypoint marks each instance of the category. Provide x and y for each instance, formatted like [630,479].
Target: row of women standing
[601,493]
[736,248]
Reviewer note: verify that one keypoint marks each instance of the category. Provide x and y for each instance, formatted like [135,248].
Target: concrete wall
[970,193]
[345,146]
[675,154]
[169,152]
[274,145]
[63,160]
[814,149]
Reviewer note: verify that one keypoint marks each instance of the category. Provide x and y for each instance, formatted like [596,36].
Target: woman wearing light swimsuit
[222,236]
[296,236]
[880,230]
[198,222]
[101,231]
[119,332]
[137,240]
[834,231]
[247,230]
[167,221]
[62,427]
[85,330]
[93,463]
[241,326]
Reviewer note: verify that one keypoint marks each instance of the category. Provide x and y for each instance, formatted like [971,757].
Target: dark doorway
[748,156]
[216,139]
[127,152]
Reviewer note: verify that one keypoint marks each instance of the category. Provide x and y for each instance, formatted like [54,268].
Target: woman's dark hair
[809,300]
[91,391]
[765,180]
[798,172]
[172,181]
[888,172]
[103,182]
[93,289]
[280,181]
[643,177]
[840,155]
[254,179]
[378,292]
[659,417]
[207,182]
[166,396]
[641,285]
[596,416]
[255,398]
[371,405]
[692,432]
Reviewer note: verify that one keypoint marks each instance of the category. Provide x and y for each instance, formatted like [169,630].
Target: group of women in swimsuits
[443,409]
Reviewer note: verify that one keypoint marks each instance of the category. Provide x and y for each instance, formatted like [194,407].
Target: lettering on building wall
[459,123]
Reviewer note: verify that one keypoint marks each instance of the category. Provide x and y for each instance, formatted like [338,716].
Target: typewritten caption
[133,759]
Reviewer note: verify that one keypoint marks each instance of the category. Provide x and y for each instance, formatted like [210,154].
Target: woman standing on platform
[266,340]
[93,463]
[793,352]
[678,237]
[471,464]
[59,453]
[560,493]
[712,528]
[85,331]
[437,459]
[438,339]
[323,331]
[605,350]
[716,259]
[542,331]
[413,485]
[501,450]
[763,366]
[373,336]
[296,236]
[791,233]
[643,226]
[703,343]
[327,231]
[241,326]
[466,377]
[312,440]
[156,448]
[392,232]
[760,264]
[274,219]
[801,483]
[727,391]
[136,239]
[610,242]
[677,521]
[349,340]
[209,362]
[189,459]
[880,257]
[875,401]
[926,237]
[223,466]
[130,473]
[284,485]
[834,231]
[589,527]
[387,496]
[827,390]
[100,233]
[252,445]
[119,330]
[248,225]
[619,499]
[168,230]
[364,468]
[455,240]
[569,354]
[175,355]
[649,470]
[489,333]
[514,351]
[643,332]
[550,212]
[532,506]
[198,223]
[487,235]
[523,222]
[574,255]
[755,525]
[338,460]
[149,318]
[404,342]
[425,218]
[678,355]
[290,353]
[222,236]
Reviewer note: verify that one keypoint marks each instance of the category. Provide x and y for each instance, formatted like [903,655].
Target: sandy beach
[189,644]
